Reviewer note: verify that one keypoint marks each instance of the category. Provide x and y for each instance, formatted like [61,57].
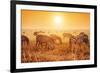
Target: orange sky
[55,20]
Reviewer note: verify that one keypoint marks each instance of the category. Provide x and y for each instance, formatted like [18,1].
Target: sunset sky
[55,20]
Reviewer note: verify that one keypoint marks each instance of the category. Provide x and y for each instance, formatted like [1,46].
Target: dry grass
[61,52]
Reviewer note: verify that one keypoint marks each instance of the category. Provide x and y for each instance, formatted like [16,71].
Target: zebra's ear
[35,33]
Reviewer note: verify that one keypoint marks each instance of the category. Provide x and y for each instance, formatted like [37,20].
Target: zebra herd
[50,40]
[78,45]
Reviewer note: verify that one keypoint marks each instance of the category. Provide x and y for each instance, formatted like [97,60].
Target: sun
[58,22]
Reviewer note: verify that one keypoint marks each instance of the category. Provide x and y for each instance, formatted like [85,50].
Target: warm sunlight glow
[58,22]
[46,20]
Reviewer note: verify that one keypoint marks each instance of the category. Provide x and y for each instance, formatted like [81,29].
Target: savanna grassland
[48,46]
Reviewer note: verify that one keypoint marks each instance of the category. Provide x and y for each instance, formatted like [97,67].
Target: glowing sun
[58,22]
